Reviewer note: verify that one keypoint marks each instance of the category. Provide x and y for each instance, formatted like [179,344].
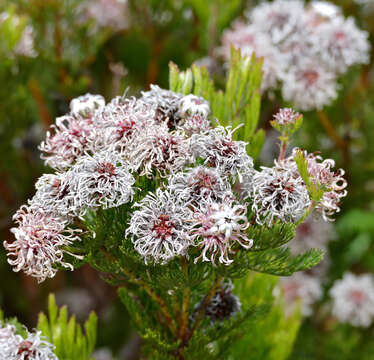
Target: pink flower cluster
[304,47]
[207,190]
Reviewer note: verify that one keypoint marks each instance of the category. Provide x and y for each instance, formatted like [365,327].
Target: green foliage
[237,105]
[272,336]
[66,335]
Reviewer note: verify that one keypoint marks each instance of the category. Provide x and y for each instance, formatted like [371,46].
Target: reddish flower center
[163,227]
[357,296]
[25,349]
[311,77]
[125,128]
[340,35]
[106,168]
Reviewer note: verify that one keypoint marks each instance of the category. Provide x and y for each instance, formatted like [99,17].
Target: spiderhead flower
[193,105]
[40,242]
[301,287]
[218,227]
[56,194]
[102,180]
[166,103]
[159,229]
[322,174]
[68,139]
[224,304]
[353,299]
[122,120]
[87,105]
[217,148]
[279,193]
[286,116]
[15,347]
[158,149]
[198,184]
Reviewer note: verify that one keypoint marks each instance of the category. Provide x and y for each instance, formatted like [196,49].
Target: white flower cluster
[353,299]
[14,347]
[207,188]
[304,47]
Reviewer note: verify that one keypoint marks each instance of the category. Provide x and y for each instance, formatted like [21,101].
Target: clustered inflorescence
[207,193]
[15,347]
[304,47]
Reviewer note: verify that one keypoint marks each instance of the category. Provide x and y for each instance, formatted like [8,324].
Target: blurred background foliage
[72,52]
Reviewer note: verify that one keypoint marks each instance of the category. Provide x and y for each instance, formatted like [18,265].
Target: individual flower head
[217,148]
[224,304]
[341,44]
[301,287]
[102,180]
[159,229]
[218,228]
[278,18]
[39,244]
[190,105]
[279,193]
[15,347]
[353,299]
[87,105]
[251,41]
[158,149]
[56,194]
[308,85]
[321,172]
[199,183]
[166,103]
[9,341]
[68,139]
[286,116]
[121,121]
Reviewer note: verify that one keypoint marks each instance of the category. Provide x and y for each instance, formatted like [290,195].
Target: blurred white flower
[353,299]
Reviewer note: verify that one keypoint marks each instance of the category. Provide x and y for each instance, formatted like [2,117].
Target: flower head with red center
[158,149]
[56,195]
[159,229]
[102,180]
[353,299]
[14,347]
[121,121]
[199,183]
[217,148]
[71,137]
[218,228]
[278,193]
[40,242]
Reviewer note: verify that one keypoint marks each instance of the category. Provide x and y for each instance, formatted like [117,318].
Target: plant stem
[160,301]
[204,304]
[185,304]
